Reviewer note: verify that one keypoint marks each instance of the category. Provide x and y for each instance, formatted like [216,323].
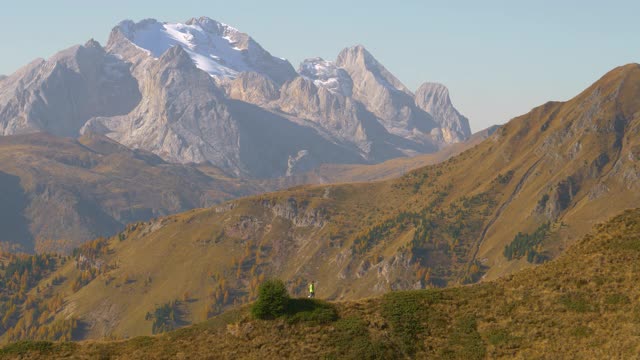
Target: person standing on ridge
[312,289]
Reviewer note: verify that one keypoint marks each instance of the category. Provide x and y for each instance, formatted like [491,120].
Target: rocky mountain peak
[92,43]
[434,99]
[214,27]
[435,90]
[178,56]
[385,96]
[358,59]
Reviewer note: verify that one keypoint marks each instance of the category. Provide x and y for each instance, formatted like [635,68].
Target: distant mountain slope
[57,193]
[577,306]
[516,199]
[60,94]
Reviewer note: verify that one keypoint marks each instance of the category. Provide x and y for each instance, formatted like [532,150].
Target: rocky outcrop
[335,113]
[434,99]
[299,215]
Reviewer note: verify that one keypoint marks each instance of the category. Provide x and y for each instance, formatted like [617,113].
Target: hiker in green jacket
[312,289]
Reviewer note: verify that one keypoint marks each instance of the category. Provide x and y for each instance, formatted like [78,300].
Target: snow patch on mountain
[328,75]
[217,48]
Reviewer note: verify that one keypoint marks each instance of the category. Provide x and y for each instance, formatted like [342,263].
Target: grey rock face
[60,94]
[332,111]
[342,118]
[385,96]
[434,99]
[253,88]
[182,116]
[269,138]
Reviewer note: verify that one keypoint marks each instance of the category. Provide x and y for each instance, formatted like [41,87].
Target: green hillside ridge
[581,305]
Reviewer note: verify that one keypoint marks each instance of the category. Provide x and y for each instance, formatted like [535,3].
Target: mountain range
[204,92]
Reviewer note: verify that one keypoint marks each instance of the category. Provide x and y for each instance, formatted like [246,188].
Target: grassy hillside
[581,305]
[517,199]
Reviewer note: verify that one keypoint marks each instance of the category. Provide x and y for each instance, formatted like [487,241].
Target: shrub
[273,299]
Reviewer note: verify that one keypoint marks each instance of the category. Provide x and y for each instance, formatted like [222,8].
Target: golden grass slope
[581,305]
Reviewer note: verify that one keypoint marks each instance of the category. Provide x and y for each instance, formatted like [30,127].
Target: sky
[499,59]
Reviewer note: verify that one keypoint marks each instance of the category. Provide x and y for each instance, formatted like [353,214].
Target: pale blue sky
[498,58]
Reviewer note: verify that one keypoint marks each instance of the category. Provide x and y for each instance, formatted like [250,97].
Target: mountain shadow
[14,226]
[268,140]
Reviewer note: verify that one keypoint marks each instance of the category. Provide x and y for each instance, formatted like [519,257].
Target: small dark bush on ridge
[274,302]
[273,299]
